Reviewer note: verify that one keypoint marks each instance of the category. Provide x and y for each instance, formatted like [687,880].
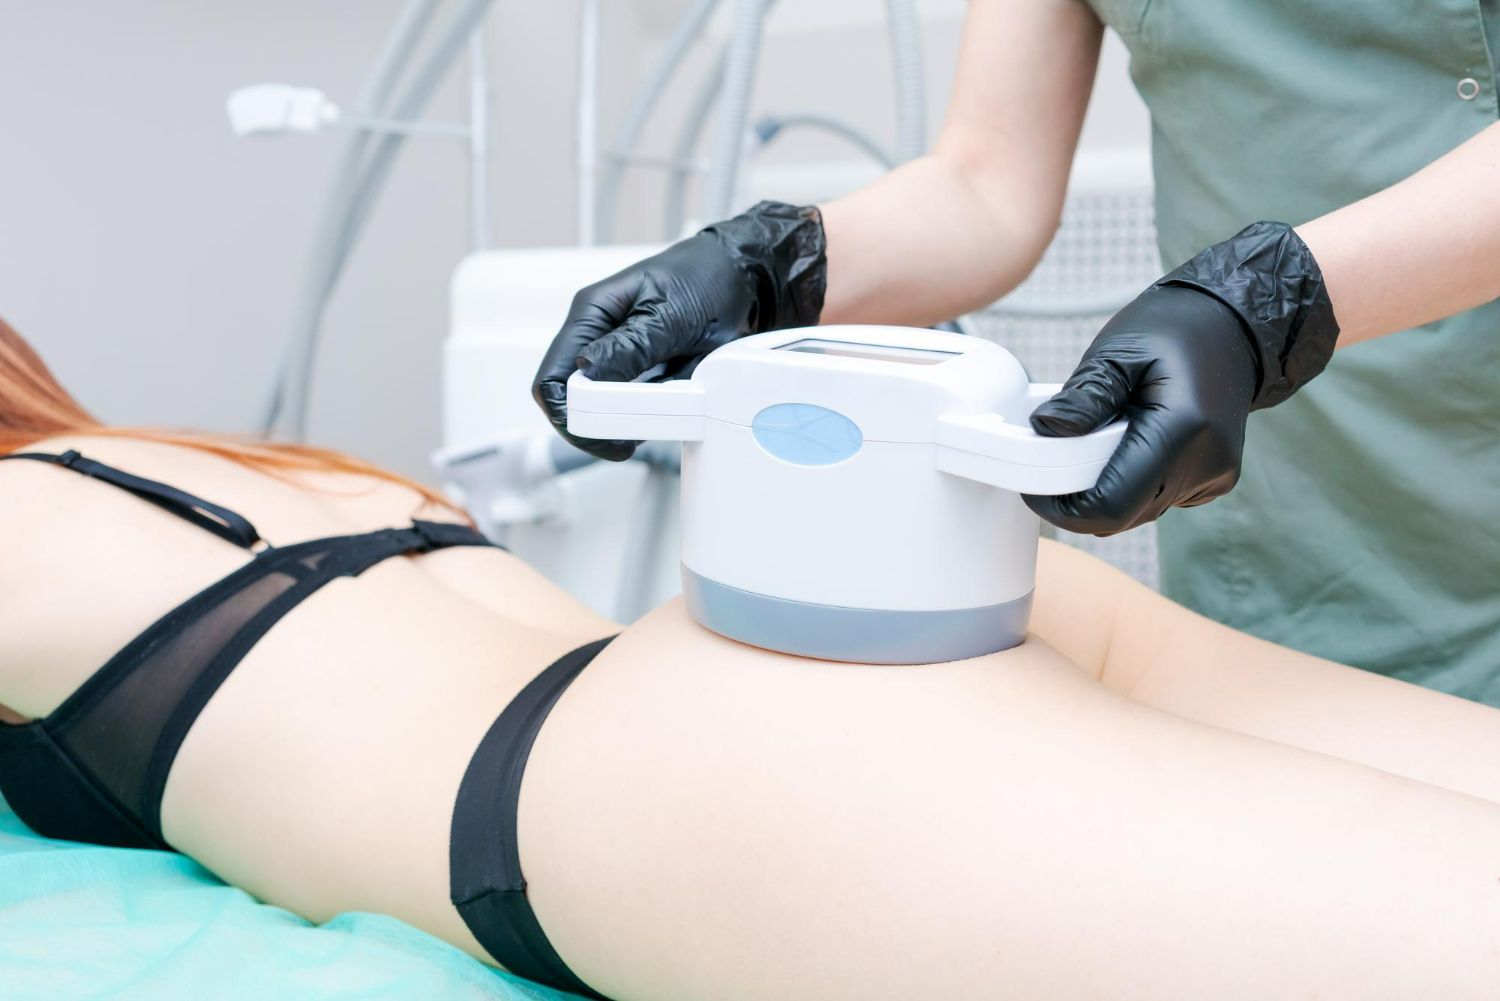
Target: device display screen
[873,352]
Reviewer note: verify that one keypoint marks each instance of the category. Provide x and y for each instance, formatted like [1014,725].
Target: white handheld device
[853,493]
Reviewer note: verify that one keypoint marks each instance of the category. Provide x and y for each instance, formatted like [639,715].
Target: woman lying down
[317,680]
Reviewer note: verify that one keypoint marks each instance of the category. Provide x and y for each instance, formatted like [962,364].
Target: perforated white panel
[1103,254]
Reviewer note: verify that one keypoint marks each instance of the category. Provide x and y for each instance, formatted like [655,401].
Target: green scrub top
[1366,525]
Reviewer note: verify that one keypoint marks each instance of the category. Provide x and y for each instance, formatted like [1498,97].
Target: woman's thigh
[701,819]
[1158,653]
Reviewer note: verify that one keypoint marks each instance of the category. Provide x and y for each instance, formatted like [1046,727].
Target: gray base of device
[858,635]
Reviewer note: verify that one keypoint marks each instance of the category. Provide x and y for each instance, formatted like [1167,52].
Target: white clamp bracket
[990,449]
[644,411]
[986,448]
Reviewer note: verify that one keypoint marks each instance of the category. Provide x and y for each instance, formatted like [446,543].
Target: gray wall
[154,259]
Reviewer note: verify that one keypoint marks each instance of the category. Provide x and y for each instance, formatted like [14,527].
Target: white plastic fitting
[274,108]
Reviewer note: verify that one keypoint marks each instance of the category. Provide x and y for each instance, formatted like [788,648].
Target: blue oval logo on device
[806,435]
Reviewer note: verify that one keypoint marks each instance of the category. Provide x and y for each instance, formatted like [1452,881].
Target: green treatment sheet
[79,921]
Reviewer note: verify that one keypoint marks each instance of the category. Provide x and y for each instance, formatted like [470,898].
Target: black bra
[94,769]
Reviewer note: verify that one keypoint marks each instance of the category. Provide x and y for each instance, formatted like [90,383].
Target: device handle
[640,411]
[1009,455]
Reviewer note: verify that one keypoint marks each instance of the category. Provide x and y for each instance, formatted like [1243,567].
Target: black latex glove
[762,270]
[1238,328]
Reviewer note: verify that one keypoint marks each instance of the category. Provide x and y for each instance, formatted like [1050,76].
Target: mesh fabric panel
[117,737]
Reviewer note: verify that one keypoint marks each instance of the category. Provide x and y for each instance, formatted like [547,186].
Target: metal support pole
[479,142]
[588,119]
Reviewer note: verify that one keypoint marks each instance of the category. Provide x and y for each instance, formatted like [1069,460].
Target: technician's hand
[763,270]
[1238,328]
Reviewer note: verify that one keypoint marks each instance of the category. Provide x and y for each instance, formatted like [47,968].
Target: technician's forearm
[925,244]
[950,232]
[1418,251]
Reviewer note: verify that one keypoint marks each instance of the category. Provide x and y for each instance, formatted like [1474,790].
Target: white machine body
[582,530]
[854,493]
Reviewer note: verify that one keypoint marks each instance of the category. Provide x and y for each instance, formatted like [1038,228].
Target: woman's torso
[700,818]
[1361,528]
[322,774]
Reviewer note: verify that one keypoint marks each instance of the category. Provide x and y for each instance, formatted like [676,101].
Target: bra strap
[221,521]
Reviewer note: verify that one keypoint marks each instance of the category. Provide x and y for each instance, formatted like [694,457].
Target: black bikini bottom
[484,859]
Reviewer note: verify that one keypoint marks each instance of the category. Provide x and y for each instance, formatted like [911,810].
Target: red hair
[34,405]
